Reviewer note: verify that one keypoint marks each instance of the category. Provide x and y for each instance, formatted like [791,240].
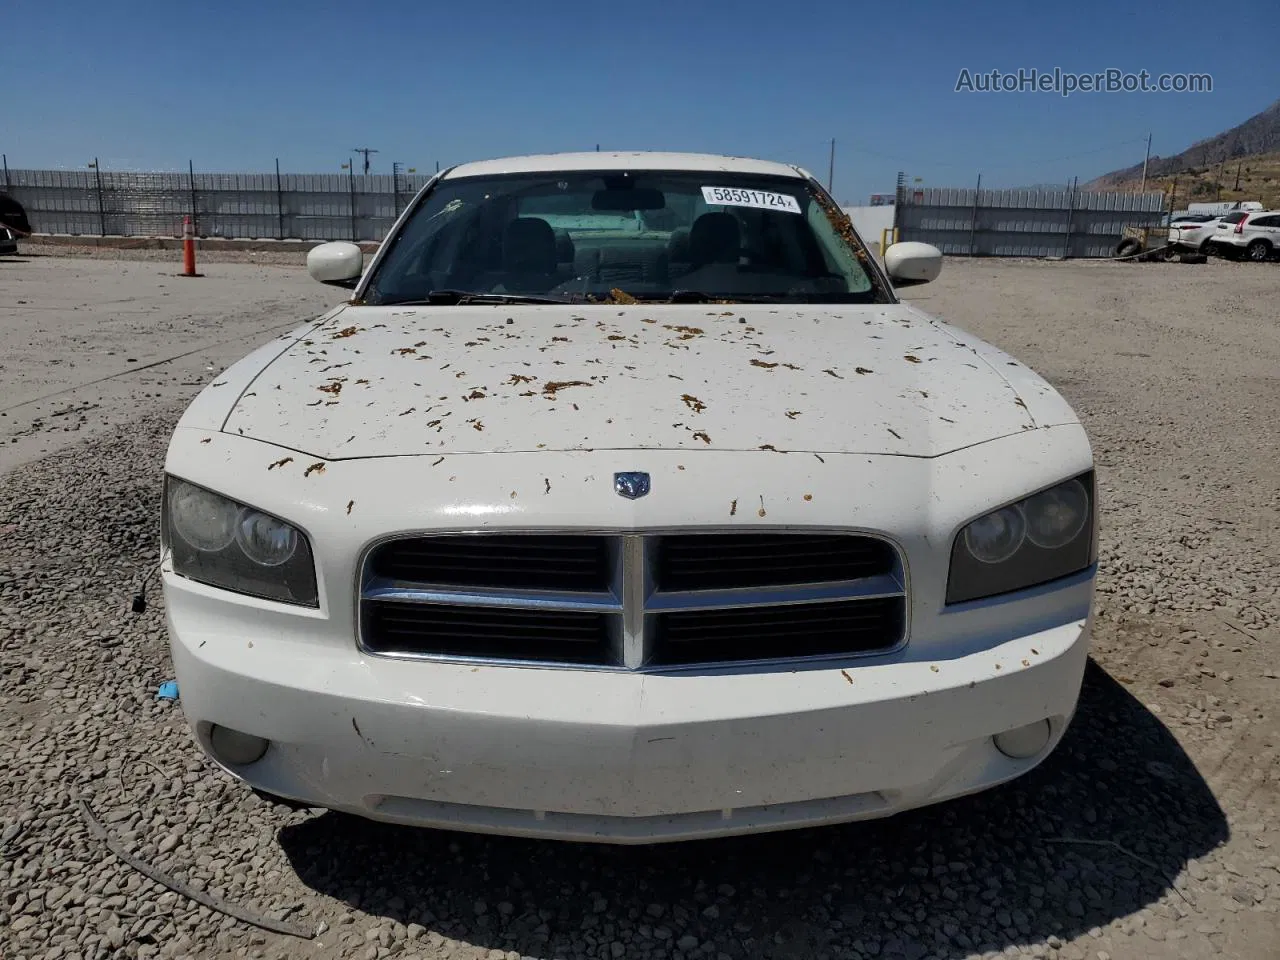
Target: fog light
[1023,742]
[234,748]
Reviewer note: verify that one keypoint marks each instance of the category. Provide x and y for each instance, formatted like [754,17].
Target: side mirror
[910,262]
[338,263]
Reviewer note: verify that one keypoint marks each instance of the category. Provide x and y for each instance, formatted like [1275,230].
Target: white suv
[1255,235]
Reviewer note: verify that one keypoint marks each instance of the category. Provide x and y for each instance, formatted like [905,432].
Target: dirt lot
[1154,831]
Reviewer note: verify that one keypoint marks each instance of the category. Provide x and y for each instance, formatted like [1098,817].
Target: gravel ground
[1149,833]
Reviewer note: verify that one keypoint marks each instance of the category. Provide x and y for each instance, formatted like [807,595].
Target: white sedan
[625,501]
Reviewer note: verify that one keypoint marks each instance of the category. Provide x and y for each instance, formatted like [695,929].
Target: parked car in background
[1189,231]
[13,224]
[1223,227]
[1251,235]
[625,500]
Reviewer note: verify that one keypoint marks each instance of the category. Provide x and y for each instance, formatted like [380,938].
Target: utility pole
[1238,166]
[831,165]
[366,151]
[1145,160]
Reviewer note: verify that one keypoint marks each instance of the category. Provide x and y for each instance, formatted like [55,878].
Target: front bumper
[616,757]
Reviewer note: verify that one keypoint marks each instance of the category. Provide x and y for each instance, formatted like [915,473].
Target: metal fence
[1023,223]
[320,206]
[346,206]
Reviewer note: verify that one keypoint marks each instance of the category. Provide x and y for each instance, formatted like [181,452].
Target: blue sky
[236,84]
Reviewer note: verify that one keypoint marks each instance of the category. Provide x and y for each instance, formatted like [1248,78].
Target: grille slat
[768,633]
[558,599]
[726,561]
[498,561]
[441,630]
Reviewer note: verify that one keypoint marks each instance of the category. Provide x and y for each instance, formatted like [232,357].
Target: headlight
[1046,536]
[227,544]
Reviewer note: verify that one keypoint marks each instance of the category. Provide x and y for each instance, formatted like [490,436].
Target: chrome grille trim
[632,604]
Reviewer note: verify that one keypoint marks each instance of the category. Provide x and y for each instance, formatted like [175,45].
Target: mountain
[1242,163]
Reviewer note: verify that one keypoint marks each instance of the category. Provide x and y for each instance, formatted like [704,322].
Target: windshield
[647,235]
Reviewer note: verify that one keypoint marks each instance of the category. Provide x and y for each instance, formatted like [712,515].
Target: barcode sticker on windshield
[735,197]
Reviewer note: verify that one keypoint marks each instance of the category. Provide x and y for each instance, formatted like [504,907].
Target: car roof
[595,160]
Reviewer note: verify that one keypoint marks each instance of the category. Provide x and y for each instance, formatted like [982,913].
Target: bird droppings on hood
[933,667]
[350,504]
[314,468]
[701,435]
[808,497]
[513,494]
[284,461]
[911,358]
[693,403]
[763,364]
[833,373]
[550,389]
[862,370]
[733,508]
[761,512]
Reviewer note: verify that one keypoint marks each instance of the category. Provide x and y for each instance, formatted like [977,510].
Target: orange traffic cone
[188,248]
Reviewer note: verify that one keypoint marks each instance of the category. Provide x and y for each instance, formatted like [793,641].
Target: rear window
[1235,217]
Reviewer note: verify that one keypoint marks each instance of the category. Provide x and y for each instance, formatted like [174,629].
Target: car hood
[403,381]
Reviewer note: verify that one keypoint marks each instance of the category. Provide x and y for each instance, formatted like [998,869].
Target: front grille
[633,601]
[497,561]
[791,631]
[495,633]
[724,561]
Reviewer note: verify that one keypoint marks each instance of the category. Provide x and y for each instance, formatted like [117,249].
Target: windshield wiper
[697,296]
[448,298]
